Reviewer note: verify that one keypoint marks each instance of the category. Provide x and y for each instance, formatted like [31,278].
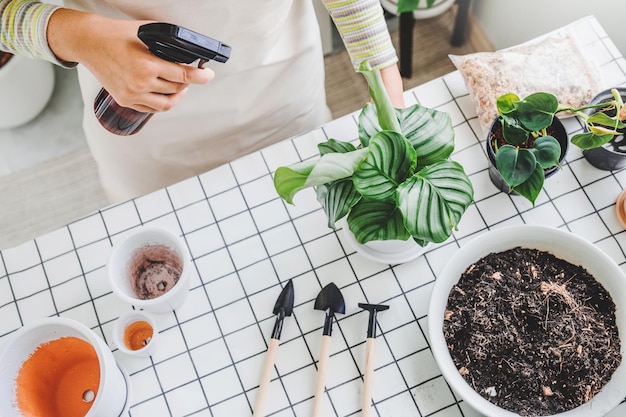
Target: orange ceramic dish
[60,379]
[137,335]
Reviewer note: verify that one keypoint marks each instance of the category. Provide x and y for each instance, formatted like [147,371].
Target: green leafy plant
[397,183]
[410,5]
[528,150]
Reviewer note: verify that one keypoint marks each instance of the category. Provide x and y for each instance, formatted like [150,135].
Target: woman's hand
[393,84]
[112,52]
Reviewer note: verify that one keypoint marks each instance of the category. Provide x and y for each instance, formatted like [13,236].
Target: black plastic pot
[559,133]
[611,156]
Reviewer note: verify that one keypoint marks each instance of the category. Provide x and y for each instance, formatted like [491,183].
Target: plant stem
[387,117]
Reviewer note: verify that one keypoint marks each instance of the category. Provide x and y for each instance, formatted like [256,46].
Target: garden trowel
[282,309]
[330,301]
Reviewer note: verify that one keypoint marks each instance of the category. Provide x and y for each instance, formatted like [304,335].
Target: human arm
[109,48]
[362,26]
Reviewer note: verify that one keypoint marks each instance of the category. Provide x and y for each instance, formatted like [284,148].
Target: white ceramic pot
[127,252]
[111,398]
[384,251]
[563,245]
[26,86]
[121,326]
[422,12]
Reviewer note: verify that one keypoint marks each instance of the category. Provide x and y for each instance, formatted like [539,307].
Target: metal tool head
[284,302]
[330,300]
[373,309]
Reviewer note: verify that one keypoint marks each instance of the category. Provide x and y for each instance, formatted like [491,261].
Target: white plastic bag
[554,64]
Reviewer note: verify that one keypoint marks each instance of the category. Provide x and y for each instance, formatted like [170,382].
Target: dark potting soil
[532,333]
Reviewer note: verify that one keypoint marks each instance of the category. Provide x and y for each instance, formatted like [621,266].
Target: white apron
[271,88]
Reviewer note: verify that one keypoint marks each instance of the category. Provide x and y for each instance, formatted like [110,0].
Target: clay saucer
[620,208]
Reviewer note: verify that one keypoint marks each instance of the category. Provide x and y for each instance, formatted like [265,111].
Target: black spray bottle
[172,43]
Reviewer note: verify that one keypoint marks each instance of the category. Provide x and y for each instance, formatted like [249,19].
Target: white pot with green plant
[397,184]
[525,150]
[422,9]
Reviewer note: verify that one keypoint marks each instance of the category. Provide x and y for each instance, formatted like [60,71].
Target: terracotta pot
[560,134]
[26,86]
[66,383]
[612,156]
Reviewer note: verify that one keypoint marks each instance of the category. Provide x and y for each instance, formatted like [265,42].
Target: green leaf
[536,111]
[368,124]
[547,151]
[600,118]
[329,167]
[531,188]
[390,160]
[433,200]
[333,145]
[590,140]
[506,103]
[407,5]
[429,131]
[410,5]
[337,198]
[515,165]
[514,134]
[376,220]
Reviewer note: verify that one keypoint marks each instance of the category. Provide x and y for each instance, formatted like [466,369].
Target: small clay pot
[612,156]
[556,129]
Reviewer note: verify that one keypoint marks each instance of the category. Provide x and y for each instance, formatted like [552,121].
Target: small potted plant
[397,183]
[422,9]
[611,155]
[527,143]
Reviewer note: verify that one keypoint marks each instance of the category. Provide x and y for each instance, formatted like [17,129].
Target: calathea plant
[527,149]
[397,183]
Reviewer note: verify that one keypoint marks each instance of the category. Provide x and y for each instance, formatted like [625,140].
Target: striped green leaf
[376,220]
[390,160]
[337,198]
[433,200]
[429,131]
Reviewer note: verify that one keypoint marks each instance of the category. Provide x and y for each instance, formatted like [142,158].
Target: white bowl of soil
[549,347]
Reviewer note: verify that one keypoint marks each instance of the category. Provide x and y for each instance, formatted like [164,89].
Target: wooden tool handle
[318,400]
[266,375]
[367,377]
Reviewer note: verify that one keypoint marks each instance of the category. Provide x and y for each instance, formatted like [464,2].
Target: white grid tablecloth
[246,243]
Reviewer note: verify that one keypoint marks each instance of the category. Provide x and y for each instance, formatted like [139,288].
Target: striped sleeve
[23,29]
[364,31]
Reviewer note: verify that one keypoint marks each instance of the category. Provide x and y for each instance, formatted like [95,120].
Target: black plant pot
[611,156]
[556,129]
